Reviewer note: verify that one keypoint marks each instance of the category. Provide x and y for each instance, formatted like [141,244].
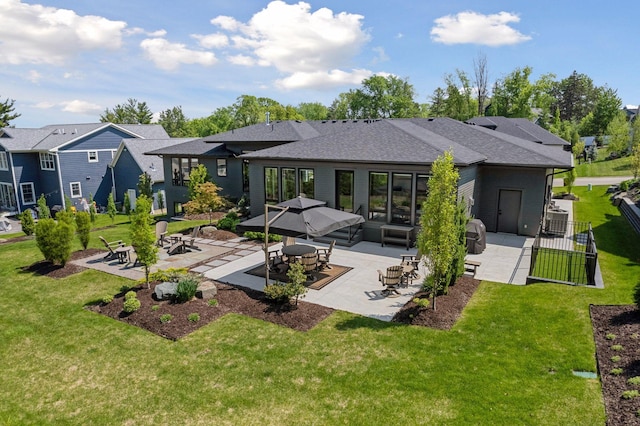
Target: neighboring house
[59,160]
[130,162]
[631,111]
[521,128]
[380,169]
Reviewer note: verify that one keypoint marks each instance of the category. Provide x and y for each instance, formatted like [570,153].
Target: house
[380,169]
[521,128]
[62,160]
[130,162]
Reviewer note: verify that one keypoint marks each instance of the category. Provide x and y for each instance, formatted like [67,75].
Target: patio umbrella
[303,217]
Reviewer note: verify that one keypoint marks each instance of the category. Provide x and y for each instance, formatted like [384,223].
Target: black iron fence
[564,252]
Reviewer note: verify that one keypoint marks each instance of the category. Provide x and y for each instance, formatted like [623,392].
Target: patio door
[509,210]
[344,190]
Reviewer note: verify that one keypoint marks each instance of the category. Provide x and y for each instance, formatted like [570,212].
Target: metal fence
[564,252]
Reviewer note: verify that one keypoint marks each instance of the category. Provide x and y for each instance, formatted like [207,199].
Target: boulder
[206,290]
[166,290]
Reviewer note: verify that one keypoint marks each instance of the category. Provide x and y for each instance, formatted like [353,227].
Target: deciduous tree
[206,200]
[174,122]
[618,132]
[143,235]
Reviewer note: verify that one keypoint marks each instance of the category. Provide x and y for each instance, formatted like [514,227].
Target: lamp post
[267,223]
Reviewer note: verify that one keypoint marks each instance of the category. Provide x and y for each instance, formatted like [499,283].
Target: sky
[66,61]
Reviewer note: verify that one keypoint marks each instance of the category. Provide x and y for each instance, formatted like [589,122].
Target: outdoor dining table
[297,250]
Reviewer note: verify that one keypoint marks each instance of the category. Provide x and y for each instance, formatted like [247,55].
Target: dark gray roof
[521,128]
[149,164]
[55,136]
[419,141]
[194,147]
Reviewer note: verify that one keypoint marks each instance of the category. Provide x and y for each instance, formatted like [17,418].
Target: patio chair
[391,280]
[111,246]
[275,262]
[414,261]
[324,254]
[310,263]
[190,240]
[161,232]
[287,241]
[177,248]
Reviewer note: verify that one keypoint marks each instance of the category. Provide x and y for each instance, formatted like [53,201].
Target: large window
[288,183]
[7,197]
[271,185]
[344,190]
[4,164]
[181,169]
[422,189]
[245,176]
[378,196]
[47,161]
[401,198]
[28,193]
[76,189]
[307,183]
[221,166]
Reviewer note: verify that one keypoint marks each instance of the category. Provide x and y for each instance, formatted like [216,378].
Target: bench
[471,266]
[396,235]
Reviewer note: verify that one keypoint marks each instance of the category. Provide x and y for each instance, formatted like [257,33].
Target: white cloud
[169,56]
[81,107]
[211,41]
[46,35]
[34,76]
[472,27]
[381,55]
[44,105]
[304,45]
[323,79]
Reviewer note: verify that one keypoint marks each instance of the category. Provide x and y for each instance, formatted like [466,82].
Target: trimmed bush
[54,239]
[187,288]
[165,318]
[27,222]
[83,225]
[130,295]
[131,305]
[229,222]
[195,317]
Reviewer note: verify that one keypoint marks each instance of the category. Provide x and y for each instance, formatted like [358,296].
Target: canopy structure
[303,217]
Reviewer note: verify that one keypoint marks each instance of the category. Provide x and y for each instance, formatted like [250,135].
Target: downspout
[113,183]
[15,184]
[64,207]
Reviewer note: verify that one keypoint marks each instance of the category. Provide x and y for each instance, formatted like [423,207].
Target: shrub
[43,210]
[615,358]
[213,302]
[171,274]
[617,371]
[83,225]
[187,288]
[155,308]
[165,318]
[27,222]
[195,317]
[635,380]
[107,299]
[610,336]
[130,295]
[229,221]
[630,394]
[254,235]
[423,303]
[131,305]
[617,348]
[286,292]
[54,239]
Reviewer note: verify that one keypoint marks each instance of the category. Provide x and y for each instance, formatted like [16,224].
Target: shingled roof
[521,128]
[418,141]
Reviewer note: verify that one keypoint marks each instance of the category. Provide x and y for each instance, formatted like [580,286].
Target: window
[422,189]
[307,186]
[181,169]
[47,161]
[4,164]
[344,190]
[221,166]
[288,184]
[271,185]
[245,176]
[7,197]
[378,196]
[28,193]
[401,198]
[93,156]
[76,189]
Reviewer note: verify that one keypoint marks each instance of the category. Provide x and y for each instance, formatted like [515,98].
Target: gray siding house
[59,160]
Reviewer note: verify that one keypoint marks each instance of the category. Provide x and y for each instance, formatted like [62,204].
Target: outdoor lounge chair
[190,240]
[324,254]
[391,280]
[161,232]
[310,263]
[414,261]
[111,246]
[177,248]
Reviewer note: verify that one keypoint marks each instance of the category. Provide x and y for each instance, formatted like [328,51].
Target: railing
[568,257]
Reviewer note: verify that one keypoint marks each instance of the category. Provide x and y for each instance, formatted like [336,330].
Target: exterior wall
[26,167]
[467,187]
[126,175]
[528,180]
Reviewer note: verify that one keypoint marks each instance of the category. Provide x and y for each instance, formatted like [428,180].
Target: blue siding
[105,139]
[127,173]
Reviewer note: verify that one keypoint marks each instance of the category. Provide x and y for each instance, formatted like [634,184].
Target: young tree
[143,235]
[160,201]
[618,131]
[27,223]
[570,179]
[578,150]
[83,228]
[481,81]
[206,200]
[145,185]
[111,207]
[54,237]
[198,176]
[43,209]
[126,203]
[6,112]
[438,239]
[635,160]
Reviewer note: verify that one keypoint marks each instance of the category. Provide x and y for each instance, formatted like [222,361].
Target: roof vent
[267,114]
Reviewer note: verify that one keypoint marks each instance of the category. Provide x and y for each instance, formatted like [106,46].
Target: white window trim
[79,189]
[89,156]
[224,161]
[4,162]
[46,157]
[33,191]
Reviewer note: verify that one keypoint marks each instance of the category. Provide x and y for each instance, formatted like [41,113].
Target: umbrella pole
[267,223]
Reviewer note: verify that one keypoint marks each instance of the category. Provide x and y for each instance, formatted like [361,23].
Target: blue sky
[65,61]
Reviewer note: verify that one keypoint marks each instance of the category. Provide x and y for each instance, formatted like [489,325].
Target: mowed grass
[508,360]
[603,167]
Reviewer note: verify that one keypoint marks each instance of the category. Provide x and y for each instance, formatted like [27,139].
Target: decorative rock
[206,290]
[207,229]
[166,290]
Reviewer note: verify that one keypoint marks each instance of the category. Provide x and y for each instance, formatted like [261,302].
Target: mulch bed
[448,306]
[622,326]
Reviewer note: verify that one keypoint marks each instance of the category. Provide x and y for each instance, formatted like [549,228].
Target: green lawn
[602,167]
[509,359]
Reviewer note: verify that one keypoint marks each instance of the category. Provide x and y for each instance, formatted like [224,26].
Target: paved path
[602,180]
